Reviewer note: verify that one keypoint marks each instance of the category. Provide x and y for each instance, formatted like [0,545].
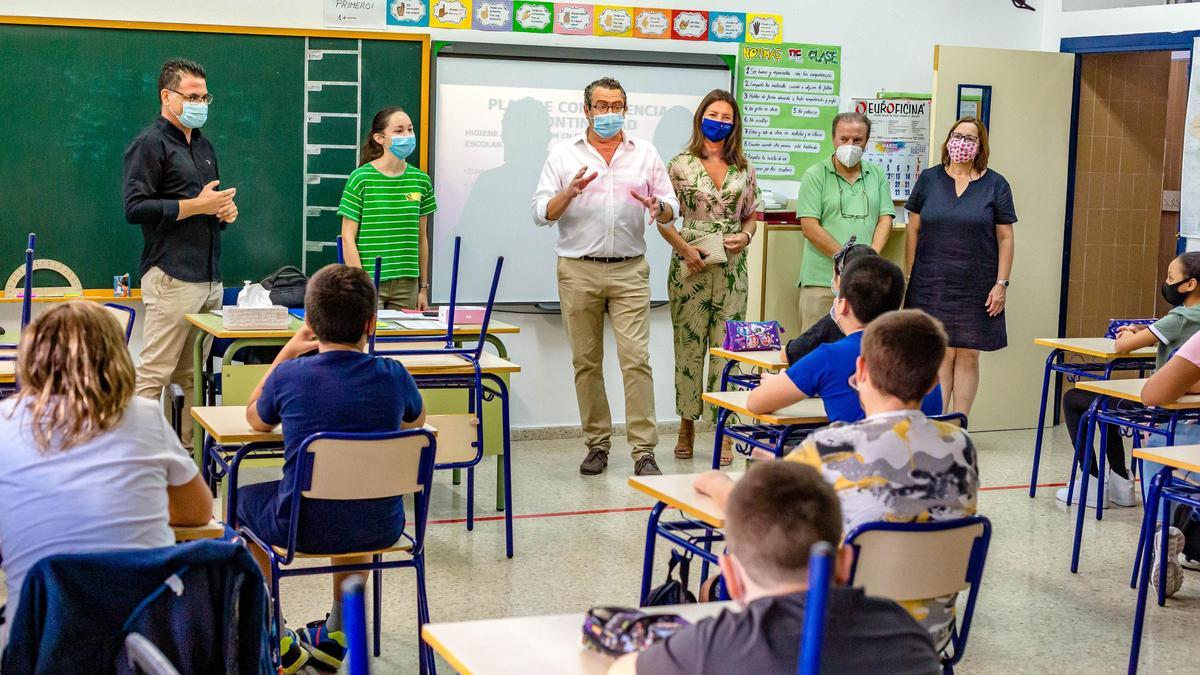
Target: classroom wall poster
[533,17]
[614,21]
[408,13]
[1189,197]
[726,26]
[492,15]
[899,139]
[356,13]
[764,28]
[572,19]
[689,25]
[652,23]
[789,97]
[451,14]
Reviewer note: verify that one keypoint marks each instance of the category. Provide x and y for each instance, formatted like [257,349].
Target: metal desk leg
[502,352]
[199,376]
[1139,615]
[1037,433]
[729,363]
[719,437]
[1081,504]
[502,394]
[648,560]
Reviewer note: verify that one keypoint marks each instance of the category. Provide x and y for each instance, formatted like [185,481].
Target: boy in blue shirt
[339,388]
[870,286]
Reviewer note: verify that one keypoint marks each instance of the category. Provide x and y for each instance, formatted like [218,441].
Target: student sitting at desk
[897,464]
[85,466]
[826,330]
[773,517]
[338,389]
[1182,290]
[870,286]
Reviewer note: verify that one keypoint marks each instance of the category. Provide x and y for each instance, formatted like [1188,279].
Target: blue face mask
[715,130]
[403,146]
[194,115]
[608,125]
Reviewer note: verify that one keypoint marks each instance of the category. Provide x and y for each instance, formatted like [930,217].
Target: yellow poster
[450,14]
[764,28]
[613,21]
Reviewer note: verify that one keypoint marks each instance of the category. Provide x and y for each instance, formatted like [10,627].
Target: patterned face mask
[962,151]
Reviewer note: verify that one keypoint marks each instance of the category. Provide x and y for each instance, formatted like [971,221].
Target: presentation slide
[496,122]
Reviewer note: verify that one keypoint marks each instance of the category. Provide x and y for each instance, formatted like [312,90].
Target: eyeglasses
[603,107]
[193,98]
[851,206]
[959,137]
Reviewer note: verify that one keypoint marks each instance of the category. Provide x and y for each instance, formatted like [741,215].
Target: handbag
[712,245]
[752,336]
[286,287]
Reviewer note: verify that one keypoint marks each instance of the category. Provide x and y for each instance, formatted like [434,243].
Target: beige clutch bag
[713,246]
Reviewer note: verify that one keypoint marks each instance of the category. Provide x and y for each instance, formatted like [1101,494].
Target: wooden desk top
[768,359]
[534,644]
[1131,390]
[8,372]
[212,324]
[451,364]
[93,294]
[1186,457]
[676,492]
[227,425]
[808,411]
[213,530]
[1101,348]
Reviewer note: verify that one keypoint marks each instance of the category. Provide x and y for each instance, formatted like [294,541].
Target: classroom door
[1029,128]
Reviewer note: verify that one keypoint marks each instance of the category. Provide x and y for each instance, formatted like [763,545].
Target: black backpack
[286,287]
[673,592]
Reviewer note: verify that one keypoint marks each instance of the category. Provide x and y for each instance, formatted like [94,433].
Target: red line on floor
[628,509]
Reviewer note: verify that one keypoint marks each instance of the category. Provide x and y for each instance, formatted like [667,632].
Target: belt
[620,259]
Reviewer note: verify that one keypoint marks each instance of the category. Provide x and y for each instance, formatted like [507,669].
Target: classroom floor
[579,543]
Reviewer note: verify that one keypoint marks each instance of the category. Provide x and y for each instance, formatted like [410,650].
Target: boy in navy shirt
[339,388]
[870,286]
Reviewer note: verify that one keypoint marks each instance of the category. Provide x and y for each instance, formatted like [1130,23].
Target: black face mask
[1172,294]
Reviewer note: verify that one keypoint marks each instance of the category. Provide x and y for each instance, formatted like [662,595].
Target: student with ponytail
[385,209]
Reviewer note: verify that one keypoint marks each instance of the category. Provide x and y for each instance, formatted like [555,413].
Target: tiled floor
[579,543]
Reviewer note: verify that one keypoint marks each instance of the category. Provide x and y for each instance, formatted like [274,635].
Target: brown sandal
[687,439]
[727,451]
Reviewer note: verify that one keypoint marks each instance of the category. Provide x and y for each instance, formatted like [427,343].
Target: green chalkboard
[74,97]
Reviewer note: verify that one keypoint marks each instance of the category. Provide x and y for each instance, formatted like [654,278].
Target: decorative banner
[764,28]
[572,19]
[355,13]
[451,14]
[726,26]
[689,25]
[789,97]
[492,15]
[899,139]
[652,23]
[408,13]
[533,17]
[614,21]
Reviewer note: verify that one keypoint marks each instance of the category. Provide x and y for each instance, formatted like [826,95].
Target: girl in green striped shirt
[385,209]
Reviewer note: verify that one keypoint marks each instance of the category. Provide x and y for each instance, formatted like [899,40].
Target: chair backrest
[125,317]
[144,657]
[458,437]
[820,570]
[958,419]
[917,561]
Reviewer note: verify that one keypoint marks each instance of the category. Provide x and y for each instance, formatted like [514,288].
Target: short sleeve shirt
[388,210]
[825,372]
[844,210]
[1173,330]
[1190,351]
[346,391]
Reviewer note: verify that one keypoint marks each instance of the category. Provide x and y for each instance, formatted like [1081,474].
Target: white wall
[1117,21]
[887,45]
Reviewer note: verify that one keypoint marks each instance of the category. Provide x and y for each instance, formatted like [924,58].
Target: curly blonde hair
[75,373]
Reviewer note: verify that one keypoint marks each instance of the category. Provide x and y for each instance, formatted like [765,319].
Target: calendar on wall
[899,139]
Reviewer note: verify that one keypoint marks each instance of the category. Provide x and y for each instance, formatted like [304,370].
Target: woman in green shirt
[718,193]
[385,209]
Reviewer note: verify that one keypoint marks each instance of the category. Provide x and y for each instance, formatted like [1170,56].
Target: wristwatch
[1002,282]
[662,208]
[424,287]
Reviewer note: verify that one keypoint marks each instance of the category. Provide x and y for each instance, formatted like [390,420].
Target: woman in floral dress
[718,194]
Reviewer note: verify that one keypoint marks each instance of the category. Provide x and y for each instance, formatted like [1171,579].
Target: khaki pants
[399,293]
[815,302]
[168,338]
[587,290]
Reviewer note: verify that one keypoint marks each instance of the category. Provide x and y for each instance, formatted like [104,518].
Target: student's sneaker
[1061,495]
[327,647]
[1174,569]
[1120,490]
[1189,564]
[292,655]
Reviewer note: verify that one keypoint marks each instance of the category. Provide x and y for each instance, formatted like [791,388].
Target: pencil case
[752,336]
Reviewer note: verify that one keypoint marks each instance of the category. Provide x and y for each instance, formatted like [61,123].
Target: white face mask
[849,155]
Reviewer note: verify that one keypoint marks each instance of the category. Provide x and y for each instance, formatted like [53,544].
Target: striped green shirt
[388,210]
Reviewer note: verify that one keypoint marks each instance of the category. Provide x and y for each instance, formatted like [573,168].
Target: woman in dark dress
[959,253]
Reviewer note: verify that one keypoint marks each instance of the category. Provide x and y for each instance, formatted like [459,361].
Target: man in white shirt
[598,188]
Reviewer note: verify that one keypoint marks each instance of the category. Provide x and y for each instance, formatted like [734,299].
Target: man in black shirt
[777,511]
[170,187]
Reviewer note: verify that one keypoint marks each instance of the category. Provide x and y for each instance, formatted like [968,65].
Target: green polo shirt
[844,210]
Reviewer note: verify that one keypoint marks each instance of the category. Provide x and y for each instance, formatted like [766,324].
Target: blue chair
[820,571]
[354,620]
[341,466]
[918,561]
[125,316]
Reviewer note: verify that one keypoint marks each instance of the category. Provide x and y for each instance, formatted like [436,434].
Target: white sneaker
[1174,569]
[1061,495]
[1120,490]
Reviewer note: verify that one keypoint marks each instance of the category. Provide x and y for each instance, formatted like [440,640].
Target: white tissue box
[274,317]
